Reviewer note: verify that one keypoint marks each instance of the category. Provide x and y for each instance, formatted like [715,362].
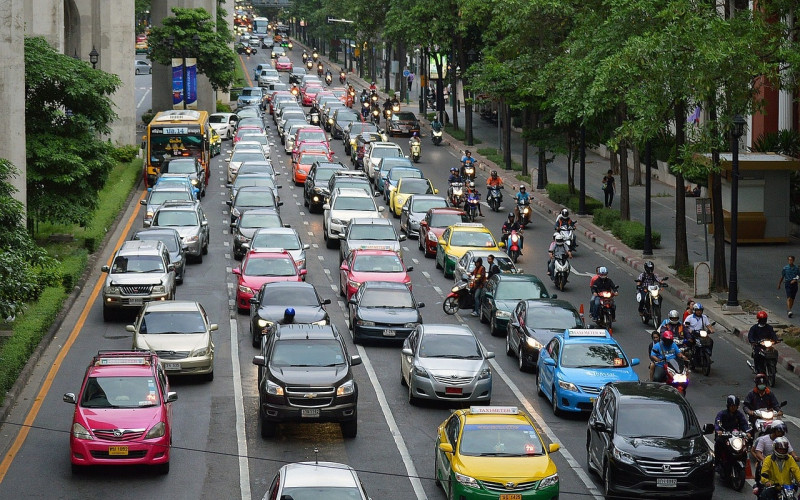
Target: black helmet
[511,215]
[649,266]
[564,212]
[732,401]
[494,173]
[760,379]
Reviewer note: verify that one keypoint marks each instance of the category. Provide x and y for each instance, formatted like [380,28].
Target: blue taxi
[575,365]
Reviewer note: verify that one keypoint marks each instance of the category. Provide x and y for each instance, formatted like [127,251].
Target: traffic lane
[143,85]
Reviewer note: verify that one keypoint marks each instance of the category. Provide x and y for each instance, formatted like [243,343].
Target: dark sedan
[247,225]
[268,307]
[501,295]
[296,74]
[404,122]
[382,310]
[342,119]
[533,323]
[249,198]
[315,189]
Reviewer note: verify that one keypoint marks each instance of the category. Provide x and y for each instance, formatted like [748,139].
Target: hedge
[560,194]
[631,233]
[605,217]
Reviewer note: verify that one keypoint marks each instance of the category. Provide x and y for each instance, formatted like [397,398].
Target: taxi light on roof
[121,361]
[493,410]
[589,332]
[468,224]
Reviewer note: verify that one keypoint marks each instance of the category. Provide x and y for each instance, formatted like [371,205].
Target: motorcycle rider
[471,190]
[509,225]
[387,108]
[521,198]
[698,321]
[414,139]
[373,87]
[645,279]
[663,351]
[758,332]
[760,398]
[563,220]
[494,181]
[602,284]
[467,159]
[395,103]
[762,447]
[364,97]
[305,56]
[454,176]
[320,67]
[328,75]
[557,249]
[673,324]
[778,469]
[436,124]
[728,420]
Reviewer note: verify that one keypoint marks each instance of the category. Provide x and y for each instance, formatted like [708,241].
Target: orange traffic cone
[581,311]
[748,470]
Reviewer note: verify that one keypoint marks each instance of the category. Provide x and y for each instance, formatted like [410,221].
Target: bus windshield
[175,145]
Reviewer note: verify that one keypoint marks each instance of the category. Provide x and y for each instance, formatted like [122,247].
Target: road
[218,452]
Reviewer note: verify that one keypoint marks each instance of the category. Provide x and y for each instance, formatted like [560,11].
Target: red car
[302,166]
[123,412]
[311,135]
[309,92]
[283,64]
[264,267]
[247,129]
[371,265]
[433,225]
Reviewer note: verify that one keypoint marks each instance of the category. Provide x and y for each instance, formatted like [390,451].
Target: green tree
[215,59]
[67,107]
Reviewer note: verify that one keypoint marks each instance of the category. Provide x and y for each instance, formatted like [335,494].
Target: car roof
[446,210]
[550,302]
[311,474]
[305,331]
[648,391]
[172,306]
[381,144]
[116,363]
[273,230]
[137,247]
[518,277]
[386,285]
[470,226]
[445,329]
[352,192]
[364,221]
[158,230]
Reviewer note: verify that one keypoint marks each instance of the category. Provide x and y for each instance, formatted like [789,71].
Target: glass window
[372,232]
[450,346]
[269,267]
[519,290]
[249,221]
[161,322]
[473,239]
[378,264]
[300,353]
[387,298]
[287,241]
[452,429]
[554,318]
[400,173]
[120,392]
[415,186]
[254,199]
[425,204]
[138,264]
[355,203]
[636,420]
[447,219]
[159,196]
[500,440]
[289,296]
[593,356]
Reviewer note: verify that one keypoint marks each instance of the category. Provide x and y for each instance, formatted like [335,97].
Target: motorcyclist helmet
[556,235]
[453,169]
[667,338]
[522,189]
[559,238]
[602,271]
[414,134]
[778,426]
[673,317]
[511,215]
[494,173]
[762,318]
[732,400]
[649,266]
[697,307]
[780,447]
[472,185]
[468,153]
[288,314]
[760,381]
[564,213]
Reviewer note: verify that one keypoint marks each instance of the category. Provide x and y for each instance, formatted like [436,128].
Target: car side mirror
[489,355]
[278,186]
[635,361]
[229,203]
[213,327]
[602,427]
[409,269]
[280,204]
[303,272]
[343,267]
[254,300]
[105,269]
[446,447]
[554,447]
[407,351]
[381,209]
[142,202]
[229,185]
[170,267]
[237,271]
[227,160]
[259,361]
[353,302]
[204,223]
[306,246]
[130,328]
[70,398]
[550,362]
[403,237]
[708,429]
[326,302]
[355,360]
[172,397]
[420,305]
[405,208]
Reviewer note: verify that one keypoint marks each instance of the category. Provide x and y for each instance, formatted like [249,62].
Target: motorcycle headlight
[420,372]
[80,432]
[547,482]
[198,353]
[466,480]
[737,443]
[703,333]
[623,457]
[274,389]
[567,386]
[502,314]
[346,389]
[455,289]
[679,378]
[156,431]
[767,344]
[194,182]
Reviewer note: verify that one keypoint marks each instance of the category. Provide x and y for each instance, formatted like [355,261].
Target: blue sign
[191,84]
[406,73]
[177,83]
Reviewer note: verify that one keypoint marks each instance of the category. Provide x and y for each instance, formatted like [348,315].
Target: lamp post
[171,45]
[471,57]
[94,56]
[736,133]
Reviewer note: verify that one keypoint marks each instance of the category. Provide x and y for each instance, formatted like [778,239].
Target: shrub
[631,233]
[605,217]
[147,116]
[113,197]
[591,204]
[559,193]
[72,268]
[222,107]
[125,154]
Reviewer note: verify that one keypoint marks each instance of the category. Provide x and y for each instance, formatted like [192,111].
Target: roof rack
[132,357]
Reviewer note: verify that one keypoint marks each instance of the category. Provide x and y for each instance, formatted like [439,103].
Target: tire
[514,257]
[412,400]
[607,482]
[419,243]
[205,249]
[436,470]
[199,258]
[539,391]
[771,378]
[707,365]
[656,315]
[256,340]
[349,429]
[438,266]
[77,470]
[108,315]
[450,305]
[737,476]
[523,366]
[330,242]
[493,330]
[266,428]
[509,350]
[482,317]
[162,469]
[403,379]
[208,377]
[554,403]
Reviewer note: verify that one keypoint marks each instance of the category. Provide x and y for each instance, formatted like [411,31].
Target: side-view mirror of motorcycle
[708,429]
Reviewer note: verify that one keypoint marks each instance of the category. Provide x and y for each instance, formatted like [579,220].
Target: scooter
[319,69]
[376,116]
[495,197]
[313,117]
[436,136]
[765,360]
[314,56]
[471,206]
[513,243]
[562,270]
[456,194]
[652,303]
[732,459]
[416,150]
[568,233]
[673,373]
[342,77]
[460,296]
[701,346]
[328,79]
[606,313]
[310,64]
[523,212]
[469,171]
[762,418]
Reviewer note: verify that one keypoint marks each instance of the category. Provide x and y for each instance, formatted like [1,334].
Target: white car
[346,204]
[259,138]
[142,67]
[267,76]
[376,151]
[224,124]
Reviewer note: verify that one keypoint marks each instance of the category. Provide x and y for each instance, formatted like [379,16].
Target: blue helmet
[289,312]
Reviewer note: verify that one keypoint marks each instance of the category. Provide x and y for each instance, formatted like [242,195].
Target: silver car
[267,76]
[346,204]
[466,264]
[259,138]
[415,209]
[239,157]
[189,219]
[378,234]
[280,237]
[446,363]
[158,195]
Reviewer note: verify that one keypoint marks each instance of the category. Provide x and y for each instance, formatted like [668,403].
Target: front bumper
[575,401]
[629,480]
[243,299]
[473,391]
[280,412]
[192,248]
[130,301]
[382,332]
[87,452]
[488,491]
[199,365]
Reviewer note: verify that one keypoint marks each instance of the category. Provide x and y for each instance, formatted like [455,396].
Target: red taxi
[371,265]
[123,412]
[433,225]
[264,267]
[283,64]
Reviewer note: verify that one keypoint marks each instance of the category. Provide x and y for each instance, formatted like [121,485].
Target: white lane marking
[333,287]
[226,243]
[426,274]
[138,104]
[438,290]
[573,464]
[320,257]
[241,435]
[398,438]
[415,261]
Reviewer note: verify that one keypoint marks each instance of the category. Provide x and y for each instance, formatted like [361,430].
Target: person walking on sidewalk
[608,188]
[789,277]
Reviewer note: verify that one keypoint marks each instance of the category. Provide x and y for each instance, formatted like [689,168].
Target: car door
[489,290]
[203,225]
[343,272]
[516,329]
[603,412]
[545,371]
[451,428]
[440,246]
[406,360]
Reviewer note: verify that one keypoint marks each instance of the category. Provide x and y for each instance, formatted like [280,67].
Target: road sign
[703,210]
[406,73]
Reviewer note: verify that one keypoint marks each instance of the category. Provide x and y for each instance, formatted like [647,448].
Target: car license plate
[135,302]
[389,333]
[310,413]
[666,482]
[172,366]
[452,390]
[117,450]
[511,496]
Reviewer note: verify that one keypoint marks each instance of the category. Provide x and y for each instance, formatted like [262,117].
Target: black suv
[315,190]
[644,441]
[305,375]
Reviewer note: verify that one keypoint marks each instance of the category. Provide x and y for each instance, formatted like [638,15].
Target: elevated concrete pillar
[162,75]
[12,91]
[45,18]
[115,43]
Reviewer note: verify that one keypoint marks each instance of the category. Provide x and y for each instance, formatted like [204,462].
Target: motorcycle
[310,65]
[395,107]
[469,171]
[376,116]
[568,233]
[523,212]
[296,92]
[342,77]
[456,194]
[328,79]
[652,303]
[416,150]
[606,311]
[701,346]
[314,56]
[494,198]
[314,117]
[765,360]
[471,206]
[351,98]
[673,373]
[762,418]
[305,57]
[562,269]
[732,459]
[436,136]
[513,245]
[460,296]
[319,69]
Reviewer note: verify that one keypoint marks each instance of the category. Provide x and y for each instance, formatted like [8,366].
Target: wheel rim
[450,305]
[520,359]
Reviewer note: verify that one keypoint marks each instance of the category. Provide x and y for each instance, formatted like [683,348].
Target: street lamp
[171,45]
[736,133]
[94,56]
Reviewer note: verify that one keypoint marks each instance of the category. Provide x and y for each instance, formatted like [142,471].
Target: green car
[502,292]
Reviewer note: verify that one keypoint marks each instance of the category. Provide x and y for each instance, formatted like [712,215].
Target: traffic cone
[748,469]
[581,312]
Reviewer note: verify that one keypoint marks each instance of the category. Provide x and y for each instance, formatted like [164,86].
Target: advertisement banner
[177,83]
[191,83]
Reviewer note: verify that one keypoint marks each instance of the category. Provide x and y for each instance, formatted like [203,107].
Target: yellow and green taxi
[457,240]
[494,452]
[405,188]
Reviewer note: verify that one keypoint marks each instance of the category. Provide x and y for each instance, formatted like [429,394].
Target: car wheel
[77,469]
[341,289]
[403,379]
[162,469]
[607,482]
[265,427]
[493,328]
[436,470]
[482,317]
[438,266]
[554,403]
[208,377]
[412,400]
[509,350]
[539,391]
[349,428]
[108,314]
[305,201]
[523,366]
[330,242]
[199,258]
[256,338]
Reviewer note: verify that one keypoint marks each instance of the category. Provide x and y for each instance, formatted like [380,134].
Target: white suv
[345,204]
[377,150]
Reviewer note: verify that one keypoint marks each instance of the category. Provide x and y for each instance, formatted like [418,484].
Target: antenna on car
[316,456]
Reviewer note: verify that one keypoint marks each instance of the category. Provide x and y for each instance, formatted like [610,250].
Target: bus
[176,133]
[260,26]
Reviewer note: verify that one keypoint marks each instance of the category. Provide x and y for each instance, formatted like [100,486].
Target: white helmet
[559,238]
[556,235]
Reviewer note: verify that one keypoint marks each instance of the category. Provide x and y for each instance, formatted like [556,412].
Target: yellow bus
[176,133]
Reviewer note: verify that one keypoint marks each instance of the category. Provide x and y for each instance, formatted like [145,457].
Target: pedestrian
[608,188]
[491,266]
[789,277]
[479,275]
[688,311]
[410,80]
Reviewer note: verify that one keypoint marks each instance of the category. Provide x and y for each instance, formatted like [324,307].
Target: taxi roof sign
[468,224]
[121,361]
[586,332]
[493,410]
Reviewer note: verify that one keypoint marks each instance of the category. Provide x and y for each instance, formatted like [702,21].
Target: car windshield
[218,119]
[179,167]
[504,440]
[170,241]
[400,173]
[269,267]
[164,322]
[249,130]
[553,318]
[176,218]
[310,353]
[312,136]
[415,186]
[447,219]
[242,156]
[354,203]
[324,174]
[120,392]
[504,263]
[472,239]
[450,346]
[387,298]
[247,181]
[159,196]
[346,117]
[326,492]
[270,72]
[636,417]
[405,116]
[364,128]
[519,290]
[259,138]
[252,221]
[309,159]
[593,356]
[425,204]
[138,264]
[378,264]
[251,92]
[287,241]
[372,232]
[256,168]
[387,153]
[254,199]
[362,184]
[295,296]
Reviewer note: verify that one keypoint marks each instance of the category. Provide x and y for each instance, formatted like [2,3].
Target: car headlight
[410,325]
[353,283]
[420,372]
[245,289]
[262,323]
[159,289]
[502,314]
[235,212]
[321,322]
[80,432]
[203,351]
[149,214]
[432,237]
[362,322]
[567,386]
[346,389]
[703,458]
[532,342]
[338,222]
[112,290]
[466,480]
[547,482]
[194,182]
[156,431]
[485,373]
[274,389]
[192,239]
[623,457]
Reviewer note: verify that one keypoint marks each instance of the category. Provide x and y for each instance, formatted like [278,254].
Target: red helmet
[667,335]
[762,317]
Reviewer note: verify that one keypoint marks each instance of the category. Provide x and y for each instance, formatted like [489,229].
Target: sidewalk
[757,281]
